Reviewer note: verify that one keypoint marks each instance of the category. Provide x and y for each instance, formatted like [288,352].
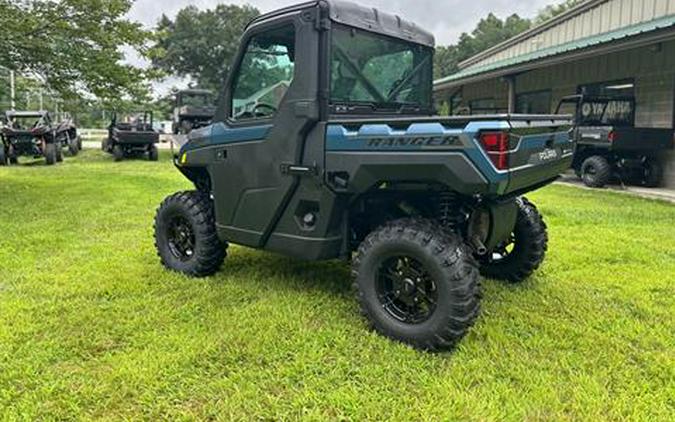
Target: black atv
[30,134]
[610,147]
[132,134]
[339,155]
[194,109]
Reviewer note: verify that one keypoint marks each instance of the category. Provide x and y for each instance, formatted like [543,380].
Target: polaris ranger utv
[194,109]
[350,163]
[610,146]
[131,134]
[29,133]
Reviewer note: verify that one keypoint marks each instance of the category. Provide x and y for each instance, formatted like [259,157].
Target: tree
[445,61]
[489,32]
[552,11]
[73,47]
[201,43]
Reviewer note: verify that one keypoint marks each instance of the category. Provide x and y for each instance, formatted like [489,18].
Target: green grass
[91,326]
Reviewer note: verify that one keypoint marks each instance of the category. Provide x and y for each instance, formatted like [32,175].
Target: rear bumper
[531,178]
[136,138]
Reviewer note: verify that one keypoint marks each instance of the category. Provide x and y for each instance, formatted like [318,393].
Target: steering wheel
[258,110]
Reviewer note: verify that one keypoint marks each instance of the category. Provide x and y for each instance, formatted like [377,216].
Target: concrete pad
[664,194]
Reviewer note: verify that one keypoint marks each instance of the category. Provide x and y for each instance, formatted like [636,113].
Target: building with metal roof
[617,48]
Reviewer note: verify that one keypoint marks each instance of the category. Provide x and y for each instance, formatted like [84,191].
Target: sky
[446,19]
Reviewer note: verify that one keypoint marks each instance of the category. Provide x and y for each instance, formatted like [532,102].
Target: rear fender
[503,216]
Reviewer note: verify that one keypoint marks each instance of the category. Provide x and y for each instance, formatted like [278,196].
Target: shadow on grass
[31,162]
[332,277]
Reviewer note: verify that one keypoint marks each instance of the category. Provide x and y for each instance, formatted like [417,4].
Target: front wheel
[596,171]
[523,252]
[185,235]
[153,154]
[417,283]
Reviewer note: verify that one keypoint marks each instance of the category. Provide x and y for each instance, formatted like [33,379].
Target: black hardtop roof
[366,18]
[194,91]
[14,113]
[132,110]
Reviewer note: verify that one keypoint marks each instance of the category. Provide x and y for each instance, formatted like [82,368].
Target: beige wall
[653,69]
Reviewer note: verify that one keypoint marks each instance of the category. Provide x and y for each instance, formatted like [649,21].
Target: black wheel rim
[406,290]
[503,250]
[181,238]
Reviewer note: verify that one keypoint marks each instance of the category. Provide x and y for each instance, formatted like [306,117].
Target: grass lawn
[91,326]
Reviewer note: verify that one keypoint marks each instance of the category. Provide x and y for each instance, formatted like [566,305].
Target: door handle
[297,170]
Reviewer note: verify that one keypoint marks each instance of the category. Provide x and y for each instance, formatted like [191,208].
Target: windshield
[25,122]
[195,100]
[380,72]
[134,118]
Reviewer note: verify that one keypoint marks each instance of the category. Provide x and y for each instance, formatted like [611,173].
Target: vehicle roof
[13,113]
[132,111]
[194,91]
[366,18]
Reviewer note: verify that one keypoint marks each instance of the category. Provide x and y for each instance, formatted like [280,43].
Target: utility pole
[12,90]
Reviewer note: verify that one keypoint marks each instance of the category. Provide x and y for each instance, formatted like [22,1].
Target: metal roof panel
[587,42]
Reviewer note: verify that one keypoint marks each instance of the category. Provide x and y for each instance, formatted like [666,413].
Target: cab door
[270,106]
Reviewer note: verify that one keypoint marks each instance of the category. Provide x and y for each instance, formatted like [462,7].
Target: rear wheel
[50,153]
[153,154]
[185,235]
[118,152]
[12,157]
[417,283]
[653,173]
[596,171]
[59,152]
[519,256]
[73,148]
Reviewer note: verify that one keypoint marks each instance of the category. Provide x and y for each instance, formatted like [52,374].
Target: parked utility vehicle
[131,134]
[30,134]
[350,163]
[610,146]
[194,109]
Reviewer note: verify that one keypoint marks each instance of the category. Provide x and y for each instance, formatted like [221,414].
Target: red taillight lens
[496,144]
[611,136]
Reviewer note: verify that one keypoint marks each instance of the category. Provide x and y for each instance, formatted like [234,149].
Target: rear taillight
[611,136]
[496,144]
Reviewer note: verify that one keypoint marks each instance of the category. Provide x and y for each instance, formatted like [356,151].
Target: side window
[538,102]
[264,75]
